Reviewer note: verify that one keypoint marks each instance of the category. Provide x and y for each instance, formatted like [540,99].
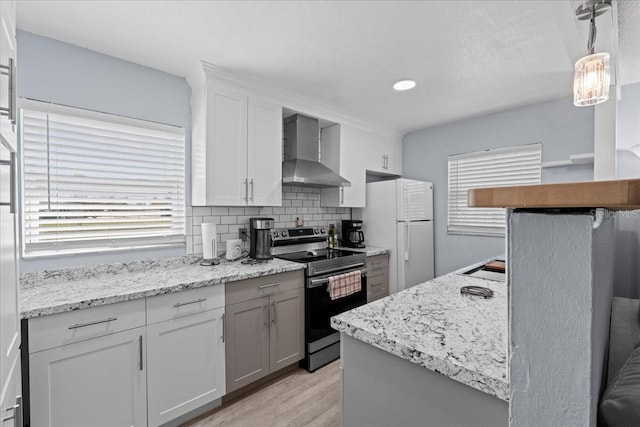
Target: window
[501,167]
[95,182]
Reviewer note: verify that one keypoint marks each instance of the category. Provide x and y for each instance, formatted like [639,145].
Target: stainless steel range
[308,245]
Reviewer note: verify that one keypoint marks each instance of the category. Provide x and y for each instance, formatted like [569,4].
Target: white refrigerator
[399,216]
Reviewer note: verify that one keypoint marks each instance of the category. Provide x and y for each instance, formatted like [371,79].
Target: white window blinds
[519,165]
[94,182]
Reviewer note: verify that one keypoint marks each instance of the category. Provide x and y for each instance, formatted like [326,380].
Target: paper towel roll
[209,240]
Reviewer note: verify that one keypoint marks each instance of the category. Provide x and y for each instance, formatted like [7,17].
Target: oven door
[320,307]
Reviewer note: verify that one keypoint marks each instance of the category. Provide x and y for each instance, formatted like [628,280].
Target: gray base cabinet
[264,326]
[247,345]
[382,389]
[377,277]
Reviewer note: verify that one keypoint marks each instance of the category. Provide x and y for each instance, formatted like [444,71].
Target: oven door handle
[342,267]
[314,283]
[318,282]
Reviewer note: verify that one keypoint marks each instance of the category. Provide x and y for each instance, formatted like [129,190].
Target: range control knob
[322,230]
[316,231]
[284,234]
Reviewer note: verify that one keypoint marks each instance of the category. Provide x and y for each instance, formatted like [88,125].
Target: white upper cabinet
[384,155]
[343,151]
[264,160]
[236,148]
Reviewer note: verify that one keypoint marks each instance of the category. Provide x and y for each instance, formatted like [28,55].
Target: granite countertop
[56,291]
[462,337]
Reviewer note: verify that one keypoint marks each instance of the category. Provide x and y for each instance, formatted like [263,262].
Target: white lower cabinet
[97,382]
[139,363]
[185,364]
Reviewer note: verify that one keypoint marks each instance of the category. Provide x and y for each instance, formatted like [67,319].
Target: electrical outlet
[243,234]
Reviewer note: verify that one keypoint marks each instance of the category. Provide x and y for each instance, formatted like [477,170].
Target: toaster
[234,249]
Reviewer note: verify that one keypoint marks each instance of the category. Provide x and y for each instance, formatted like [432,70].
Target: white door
[264,169]
[9,312]
[414,255]
[99,382]
[11,399]
[7,57]
[227,185]
[185,359]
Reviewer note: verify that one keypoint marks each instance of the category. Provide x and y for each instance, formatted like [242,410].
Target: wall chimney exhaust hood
[301,165]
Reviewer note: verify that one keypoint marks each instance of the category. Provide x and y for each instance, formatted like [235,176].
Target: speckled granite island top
[56,291]
[433,325]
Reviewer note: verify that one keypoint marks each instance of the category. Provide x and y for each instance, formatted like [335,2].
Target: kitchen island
[427,356]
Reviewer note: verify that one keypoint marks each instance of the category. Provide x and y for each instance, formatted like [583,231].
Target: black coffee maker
[260,238]
[352,235]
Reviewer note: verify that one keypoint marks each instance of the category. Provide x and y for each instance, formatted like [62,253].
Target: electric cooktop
[317,255]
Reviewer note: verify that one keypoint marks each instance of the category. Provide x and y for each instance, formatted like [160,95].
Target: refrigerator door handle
[407,243]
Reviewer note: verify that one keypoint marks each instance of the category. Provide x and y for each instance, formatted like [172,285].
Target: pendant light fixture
[592,73]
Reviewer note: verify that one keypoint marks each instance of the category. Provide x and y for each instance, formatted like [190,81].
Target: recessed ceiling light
[404,84]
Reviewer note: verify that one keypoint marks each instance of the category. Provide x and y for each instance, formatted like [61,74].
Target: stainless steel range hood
[301,165]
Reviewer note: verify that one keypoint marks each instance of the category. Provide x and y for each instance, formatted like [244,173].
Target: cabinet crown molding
[286,97]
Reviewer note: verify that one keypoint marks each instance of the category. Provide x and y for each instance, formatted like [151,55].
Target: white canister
[209,240]
[234,249]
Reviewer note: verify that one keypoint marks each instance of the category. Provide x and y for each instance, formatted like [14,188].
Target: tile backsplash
[297,202]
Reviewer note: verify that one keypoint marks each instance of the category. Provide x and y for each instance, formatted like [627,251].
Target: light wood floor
[296,399]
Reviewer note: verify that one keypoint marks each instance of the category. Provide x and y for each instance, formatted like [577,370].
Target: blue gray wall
[65,74]
[562,128]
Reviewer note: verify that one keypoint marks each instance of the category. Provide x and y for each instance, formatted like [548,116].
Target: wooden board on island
[613,195]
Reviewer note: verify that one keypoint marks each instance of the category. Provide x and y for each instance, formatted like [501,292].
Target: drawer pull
[273,310]
[223,330]
[95,322]
[270,286]
[140,349]
[180,304]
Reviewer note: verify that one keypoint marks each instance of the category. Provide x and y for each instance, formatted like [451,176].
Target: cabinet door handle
[383,161]
[222,317]
[246,190]
[195,301]
[270,286]
[15,408]
[12,182]
[273,311]
[140,348]
[342,195]
[251,197]
[95,322]
[10,109]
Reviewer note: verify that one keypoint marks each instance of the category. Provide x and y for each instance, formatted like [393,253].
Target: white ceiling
[468,57]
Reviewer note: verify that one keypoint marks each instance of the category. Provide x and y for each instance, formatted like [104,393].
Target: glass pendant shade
[591,80]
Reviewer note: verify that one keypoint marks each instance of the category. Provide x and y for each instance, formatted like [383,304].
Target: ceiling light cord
[593,32]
